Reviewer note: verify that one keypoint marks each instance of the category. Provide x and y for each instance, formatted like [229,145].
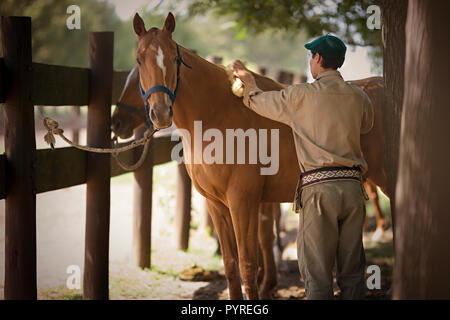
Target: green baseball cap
[328,46]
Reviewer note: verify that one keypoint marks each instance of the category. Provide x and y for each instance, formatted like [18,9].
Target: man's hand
[241,72]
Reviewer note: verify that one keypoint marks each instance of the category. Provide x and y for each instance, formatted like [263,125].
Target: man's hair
[334,63]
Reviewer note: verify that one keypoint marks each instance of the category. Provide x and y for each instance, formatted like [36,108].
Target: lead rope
[53,129]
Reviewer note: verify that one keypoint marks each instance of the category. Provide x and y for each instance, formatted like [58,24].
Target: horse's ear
[169,25]
[139,25]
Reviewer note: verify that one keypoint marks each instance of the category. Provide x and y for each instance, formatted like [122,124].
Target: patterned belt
[321,175]
[329,174]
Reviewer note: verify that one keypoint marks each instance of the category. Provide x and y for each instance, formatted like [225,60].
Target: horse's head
[129,113]
[156,55]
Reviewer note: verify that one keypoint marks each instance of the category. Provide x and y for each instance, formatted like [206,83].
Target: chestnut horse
[129,115]
[231,190]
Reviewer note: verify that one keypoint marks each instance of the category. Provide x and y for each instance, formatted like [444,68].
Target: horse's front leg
[244,214]
[221,218]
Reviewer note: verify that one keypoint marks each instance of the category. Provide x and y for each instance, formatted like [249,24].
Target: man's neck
[322,70]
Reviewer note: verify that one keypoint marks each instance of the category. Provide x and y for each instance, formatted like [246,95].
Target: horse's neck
[206,90]
[199,87]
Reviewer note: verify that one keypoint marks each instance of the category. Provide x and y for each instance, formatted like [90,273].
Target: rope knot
[52,129]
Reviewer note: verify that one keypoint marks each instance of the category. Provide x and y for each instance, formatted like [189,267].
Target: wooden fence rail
[54,85]
[66,167]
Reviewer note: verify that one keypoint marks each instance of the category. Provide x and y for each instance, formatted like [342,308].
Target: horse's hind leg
[371,190]
[244,214]
[224,227]
[266,240]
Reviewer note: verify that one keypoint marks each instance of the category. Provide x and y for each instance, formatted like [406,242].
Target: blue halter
[172,95]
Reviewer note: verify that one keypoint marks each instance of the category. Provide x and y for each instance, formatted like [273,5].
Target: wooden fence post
[279,76]
[20,149]
[289,78]
[96,259]
[142,206]
[183,209]
[284,77]
[76,124]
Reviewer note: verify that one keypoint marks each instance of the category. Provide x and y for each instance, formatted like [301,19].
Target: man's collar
[332,73]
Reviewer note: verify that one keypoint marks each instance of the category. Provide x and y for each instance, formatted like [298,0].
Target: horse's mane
[266,83]
[263,82]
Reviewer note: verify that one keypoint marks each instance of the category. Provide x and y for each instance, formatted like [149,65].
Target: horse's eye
[138,61]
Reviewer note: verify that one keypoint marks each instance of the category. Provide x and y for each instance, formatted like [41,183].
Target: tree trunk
[422,248]
[394,20]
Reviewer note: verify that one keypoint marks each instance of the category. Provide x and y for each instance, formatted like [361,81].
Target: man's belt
[325,174]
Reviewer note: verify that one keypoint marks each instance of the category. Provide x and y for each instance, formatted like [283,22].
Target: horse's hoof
[378,234]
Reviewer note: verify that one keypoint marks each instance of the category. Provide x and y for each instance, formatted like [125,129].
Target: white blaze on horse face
[160,63]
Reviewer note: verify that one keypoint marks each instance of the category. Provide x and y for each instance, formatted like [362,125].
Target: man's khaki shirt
[327,118]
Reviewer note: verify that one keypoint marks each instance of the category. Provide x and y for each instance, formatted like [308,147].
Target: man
[327,118]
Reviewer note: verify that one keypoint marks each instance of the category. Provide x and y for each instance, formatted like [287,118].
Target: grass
[381,254]
[127,282]
[161,279]
[60,293]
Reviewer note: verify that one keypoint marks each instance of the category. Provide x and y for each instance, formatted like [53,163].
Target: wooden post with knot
[96,260]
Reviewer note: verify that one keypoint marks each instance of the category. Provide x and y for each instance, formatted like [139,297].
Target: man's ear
[139,25]
[319,59]
[169,24]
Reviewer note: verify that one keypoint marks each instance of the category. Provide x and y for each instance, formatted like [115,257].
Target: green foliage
[52,41]
[222,37]
[345,18]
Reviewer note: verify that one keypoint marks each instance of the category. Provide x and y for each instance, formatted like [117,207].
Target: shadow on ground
[290,286]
